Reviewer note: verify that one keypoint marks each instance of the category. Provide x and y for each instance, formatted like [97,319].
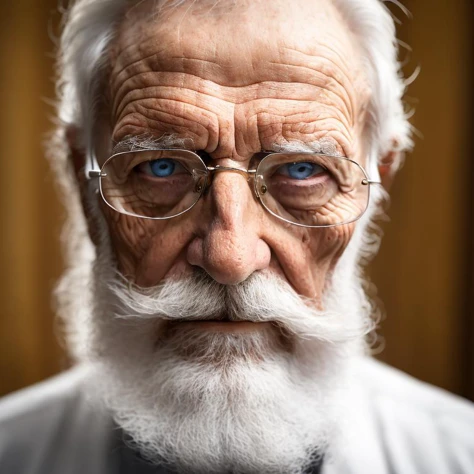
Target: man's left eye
[162,168]
[301,170]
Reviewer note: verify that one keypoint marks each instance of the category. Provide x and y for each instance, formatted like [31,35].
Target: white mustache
[261,298]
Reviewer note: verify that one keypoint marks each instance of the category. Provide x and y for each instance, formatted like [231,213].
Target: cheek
[307,256]
[131,239]
[328,244]
[146,250]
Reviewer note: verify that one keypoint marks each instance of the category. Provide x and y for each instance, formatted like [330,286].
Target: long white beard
[267,401]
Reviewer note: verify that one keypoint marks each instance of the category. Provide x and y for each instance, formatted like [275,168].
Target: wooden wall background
[424,271]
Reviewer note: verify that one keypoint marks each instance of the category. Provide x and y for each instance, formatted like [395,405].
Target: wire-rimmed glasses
[305,189]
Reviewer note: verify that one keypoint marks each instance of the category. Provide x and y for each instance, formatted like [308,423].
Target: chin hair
[268,401]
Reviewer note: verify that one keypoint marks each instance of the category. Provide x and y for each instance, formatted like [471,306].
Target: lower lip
[226,326]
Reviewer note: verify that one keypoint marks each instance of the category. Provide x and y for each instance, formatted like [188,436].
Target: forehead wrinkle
[332,50]
[300,119]
[164,53]
[358,84]
[125,68]
[237,95]
[268,128]
[240,95]
[316,122]
[158,62]
[151,121]
[174,107]
[305,118]
[188,96]
[192,96]
[173,64]
[260,95]
[164,30]
[310,123]
[136,33]
[227,94]
[297,119]
[345,96]
[161,119]
[153,62]
[179,80]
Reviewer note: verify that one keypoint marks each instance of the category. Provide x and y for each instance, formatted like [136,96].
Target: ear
[77,158]
[388,167]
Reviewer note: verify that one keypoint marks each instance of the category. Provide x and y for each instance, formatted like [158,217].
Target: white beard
[267,401]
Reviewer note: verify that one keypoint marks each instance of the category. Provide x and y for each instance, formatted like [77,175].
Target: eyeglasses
[304,189]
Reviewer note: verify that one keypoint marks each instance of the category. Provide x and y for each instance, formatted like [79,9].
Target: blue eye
[301,170]
[162,168]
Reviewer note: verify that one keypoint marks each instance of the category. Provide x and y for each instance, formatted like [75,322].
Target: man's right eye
[162,168]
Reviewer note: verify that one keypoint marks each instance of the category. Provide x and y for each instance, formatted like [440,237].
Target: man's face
[235,81]
[230,81]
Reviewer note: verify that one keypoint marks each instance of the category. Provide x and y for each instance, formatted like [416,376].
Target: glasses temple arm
[366,182]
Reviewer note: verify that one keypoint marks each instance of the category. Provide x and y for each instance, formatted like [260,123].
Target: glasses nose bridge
[219,169]
[248,174]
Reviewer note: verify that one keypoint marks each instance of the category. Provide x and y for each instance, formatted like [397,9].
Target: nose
[229,245]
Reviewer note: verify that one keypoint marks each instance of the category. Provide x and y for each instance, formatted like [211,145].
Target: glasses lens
[153,184]
[312,190]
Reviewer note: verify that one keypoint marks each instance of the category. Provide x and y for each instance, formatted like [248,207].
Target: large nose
[230,245]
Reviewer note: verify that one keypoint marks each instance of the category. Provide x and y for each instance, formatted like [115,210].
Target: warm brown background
[425,268]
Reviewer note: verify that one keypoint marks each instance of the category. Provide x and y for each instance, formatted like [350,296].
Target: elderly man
[230,158]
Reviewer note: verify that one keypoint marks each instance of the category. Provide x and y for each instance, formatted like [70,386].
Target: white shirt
[400,426]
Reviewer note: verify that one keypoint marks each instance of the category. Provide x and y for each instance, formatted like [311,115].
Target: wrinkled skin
[236,80]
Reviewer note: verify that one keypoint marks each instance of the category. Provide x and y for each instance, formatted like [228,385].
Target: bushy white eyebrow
[326,145]
[147,142]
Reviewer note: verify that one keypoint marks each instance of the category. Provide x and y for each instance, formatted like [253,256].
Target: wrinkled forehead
[238,42]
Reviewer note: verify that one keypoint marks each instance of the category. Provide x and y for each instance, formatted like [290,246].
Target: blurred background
[424,271]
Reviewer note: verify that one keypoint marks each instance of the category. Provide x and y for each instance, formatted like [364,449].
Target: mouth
[224,325]
[187,337]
